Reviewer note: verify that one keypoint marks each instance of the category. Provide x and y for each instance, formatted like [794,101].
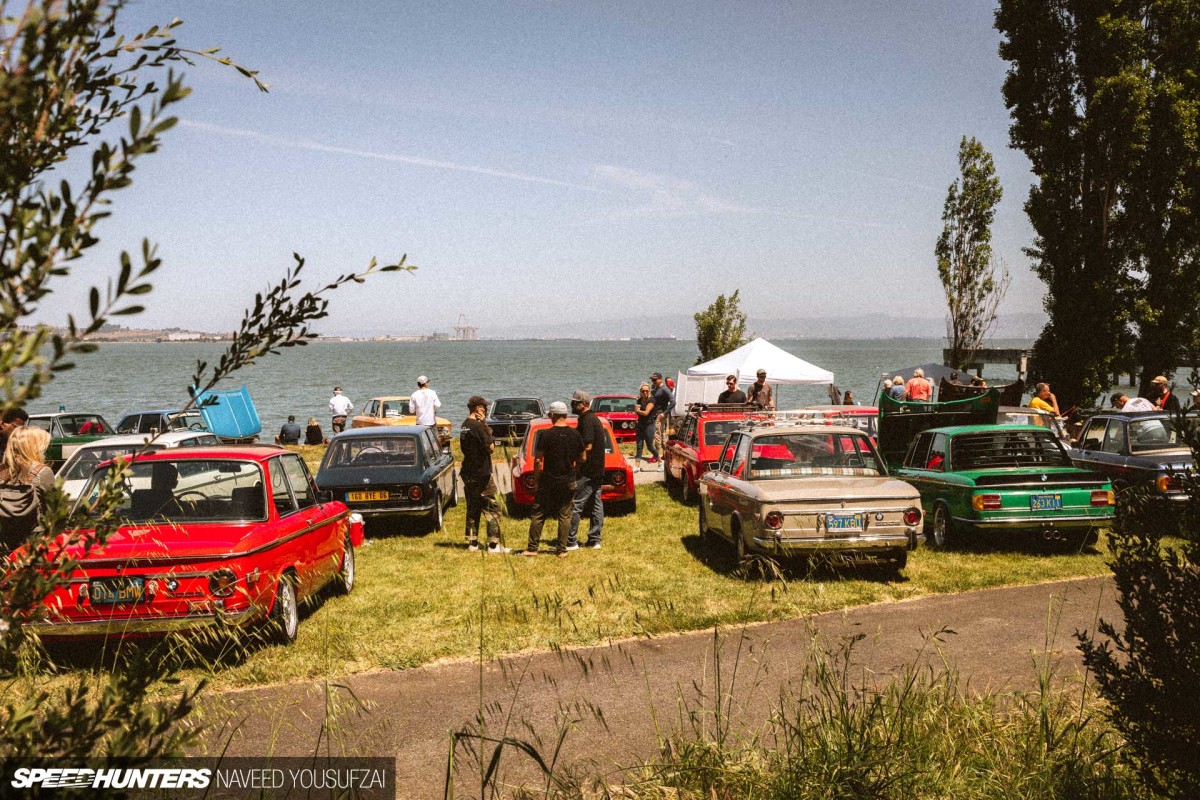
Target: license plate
[111,591]
[366,497]
[843,522]
[1045,502]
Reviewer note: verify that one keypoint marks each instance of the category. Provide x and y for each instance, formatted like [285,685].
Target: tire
[687,495]
[436,518]
[739,542]
[941,533]
[345,576]
[453,490]
[704,532]
[284,620]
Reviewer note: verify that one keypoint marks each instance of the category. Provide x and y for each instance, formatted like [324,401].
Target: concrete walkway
[642,689]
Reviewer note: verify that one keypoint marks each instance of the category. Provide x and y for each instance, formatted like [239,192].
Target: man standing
[424,403]
[555,455]
[1160,395]
[13,418]
[340,406]
[289,433]
[732,394]
[918,389]
[760,395]
[591,473]
[479,488]
[664,402]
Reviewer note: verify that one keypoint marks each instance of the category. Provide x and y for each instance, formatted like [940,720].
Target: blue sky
[542,160]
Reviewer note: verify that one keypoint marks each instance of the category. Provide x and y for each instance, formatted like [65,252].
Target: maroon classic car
[208,535]
[618,410]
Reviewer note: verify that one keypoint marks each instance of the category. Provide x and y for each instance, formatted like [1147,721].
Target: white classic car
[801,489]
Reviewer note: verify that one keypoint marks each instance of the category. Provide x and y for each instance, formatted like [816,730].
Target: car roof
[246,452]
[610,396]
[138,438]
[376,432]
[838,409]
[953,430]
[517,397]
[1138,414]
[801,427]
[386,397]
[56,414]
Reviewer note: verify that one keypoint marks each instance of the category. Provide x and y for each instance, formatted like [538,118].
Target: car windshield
[716,430]
[1156,434]
[192,490]
[84,462]
[537,441]
[361,451]
[614,405]
[992,449]
[518,407]
[789,455]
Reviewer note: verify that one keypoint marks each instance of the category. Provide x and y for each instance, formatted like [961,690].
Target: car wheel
[454,490]
[942,533]
[284,621]
[739,542]
[345,577]
[436,517]
[704,532]
[687,495]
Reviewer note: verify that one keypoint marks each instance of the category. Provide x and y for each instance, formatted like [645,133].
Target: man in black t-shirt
[555,455]
[732,393]
[479,488]
[591,473]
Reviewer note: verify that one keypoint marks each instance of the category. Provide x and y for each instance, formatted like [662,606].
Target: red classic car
[695,447]
[209,535]
[617,490]
[865,418]
[618,410]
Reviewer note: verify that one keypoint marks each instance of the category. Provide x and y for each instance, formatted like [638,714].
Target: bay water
[122,378]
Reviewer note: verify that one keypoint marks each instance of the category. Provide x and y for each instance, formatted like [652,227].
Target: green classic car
[68,432]
[984,478]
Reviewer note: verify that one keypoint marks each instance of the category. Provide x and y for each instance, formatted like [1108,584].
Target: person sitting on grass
[289,433]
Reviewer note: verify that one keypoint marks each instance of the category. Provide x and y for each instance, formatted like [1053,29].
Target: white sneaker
[497,550]
[660,466]
[573,547]
[473,547]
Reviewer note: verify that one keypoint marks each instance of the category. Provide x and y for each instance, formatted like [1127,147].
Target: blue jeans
[587,492]
[645,435]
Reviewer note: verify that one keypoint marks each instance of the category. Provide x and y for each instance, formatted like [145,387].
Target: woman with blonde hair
[24,480]
[312,433]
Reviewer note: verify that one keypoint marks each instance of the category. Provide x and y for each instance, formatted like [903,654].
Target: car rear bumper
[394,511]
[889,541]
[122,626]
[1025,523]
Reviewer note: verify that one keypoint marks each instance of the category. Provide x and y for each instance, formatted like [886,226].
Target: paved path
[640,686]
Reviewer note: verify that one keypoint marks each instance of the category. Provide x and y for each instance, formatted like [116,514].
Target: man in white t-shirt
[340,406]
[424,403]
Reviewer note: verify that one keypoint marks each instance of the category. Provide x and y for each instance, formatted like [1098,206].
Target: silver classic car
[792,490]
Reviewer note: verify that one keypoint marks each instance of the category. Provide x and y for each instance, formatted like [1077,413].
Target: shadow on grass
[719,556]
[406,527]
[1028,543]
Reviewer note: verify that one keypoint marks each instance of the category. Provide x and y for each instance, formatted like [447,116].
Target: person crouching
[555,455]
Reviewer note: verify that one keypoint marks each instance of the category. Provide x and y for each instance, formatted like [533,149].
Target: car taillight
[529,482]
[1169,483]
[1104,498]
[912,516]
[617,478]
[222,582]
[773,521]
[415,493]
[984,502]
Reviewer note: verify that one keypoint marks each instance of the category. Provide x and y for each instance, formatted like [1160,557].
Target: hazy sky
[543,160]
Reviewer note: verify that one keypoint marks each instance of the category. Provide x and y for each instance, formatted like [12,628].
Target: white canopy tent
[704,382]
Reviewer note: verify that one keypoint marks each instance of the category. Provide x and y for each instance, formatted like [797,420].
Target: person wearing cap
[1118,400]
[1161,396]
[591,473]
[1043,400]
[732,394]
[556,453]
[760,395]
[340,406]
[664,406]
[479,488]
[645,410]
[424,403]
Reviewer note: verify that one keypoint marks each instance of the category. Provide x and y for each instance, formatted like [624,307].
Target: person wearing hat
[340,406]
[664,407]
[479,488]
[591,473]
[424,403]
[1160,395]
[556,453]
[760,395]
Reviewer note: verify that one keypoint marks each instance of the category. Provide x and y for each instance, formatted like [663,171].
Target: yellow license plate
[366,497]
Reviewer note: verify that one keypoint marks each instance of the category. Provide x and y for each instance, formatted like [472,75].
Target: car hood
[851,488]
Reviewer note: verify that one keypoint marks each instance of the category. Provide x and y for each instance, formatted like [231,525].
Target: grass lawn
[421,597]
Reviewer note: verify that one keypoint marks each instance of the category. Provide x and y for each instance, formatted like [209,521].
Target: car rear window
[716,430]
[1156,434]
[987,450]
[392,451]
[790,455]
[183,491]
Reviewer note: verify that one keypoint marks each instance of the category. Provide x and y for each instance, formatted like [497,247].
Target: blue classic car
[394,471]
[509,417]
[1137,448]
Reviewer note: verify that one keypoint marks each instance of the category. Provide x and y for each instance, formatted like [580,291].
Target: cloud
[377,156]
[663,195]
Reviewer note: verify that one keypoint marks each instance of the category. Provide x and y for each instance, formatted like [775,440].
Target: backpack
[19,510]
